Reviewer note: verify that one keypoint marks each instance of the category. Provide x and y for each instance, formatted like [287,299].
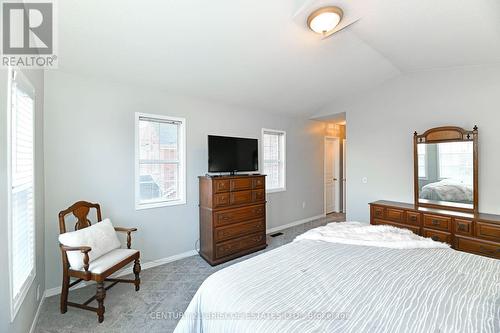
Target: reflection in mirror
[446,172]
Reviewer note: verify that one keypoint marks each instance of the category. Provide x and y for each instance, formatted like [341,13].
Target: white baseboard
[150,264]
[293,224]
[37,313]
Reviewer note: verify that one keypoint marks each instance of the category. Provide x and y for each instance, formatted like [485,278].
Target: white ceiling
[259,54]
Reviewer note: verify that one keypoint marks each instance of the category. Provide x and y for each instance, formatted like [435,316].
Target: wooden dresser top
[231,177]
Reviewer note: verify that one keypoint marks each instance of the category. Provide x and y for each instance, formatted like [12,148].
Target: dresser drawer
[237,230]
[258,195]
[437,222]
[241,197]
[462,227]
[239,244]
[221,185]
[488,231]
[258,182]
[221,200]
[413,218]
[439,236]
[236,215]
[240,184]
[378,212]
[489,249]
[415,230]
[396,215]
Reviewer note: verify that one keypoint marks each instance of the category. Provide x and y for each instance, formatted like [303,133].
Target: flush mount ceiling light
[324,20]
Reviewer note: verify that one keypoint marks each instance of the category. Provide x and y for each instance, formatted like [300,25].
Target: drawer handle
[436,238]
[461,227]
[487,250]
[413,218]
[435,222]
[225,218]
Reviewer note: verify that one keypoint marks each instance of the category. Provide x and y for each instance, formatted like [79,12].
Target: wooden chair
[81,210]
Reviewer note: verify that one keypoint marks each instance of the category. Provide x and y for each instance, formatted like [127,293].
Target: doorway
[333,183]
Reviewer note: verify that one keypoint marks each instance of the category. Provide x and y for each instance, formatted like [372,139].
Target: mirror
[445,174]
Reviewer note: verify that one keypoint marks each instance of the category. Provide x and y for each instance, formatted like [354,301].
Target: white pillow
[101,237]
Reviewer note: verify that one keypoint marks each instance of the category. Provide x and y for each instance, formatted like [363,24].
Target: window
[456,161]
[21,184]
[160,161]
[422,160]
[274,161]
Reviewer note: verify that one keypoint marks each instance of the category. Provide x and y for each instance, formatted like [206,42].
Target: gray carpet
[166,291]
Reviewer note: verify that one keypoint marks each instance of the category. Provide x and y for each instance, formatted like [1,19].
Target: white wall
[89,155]
[29,307]
[380,126]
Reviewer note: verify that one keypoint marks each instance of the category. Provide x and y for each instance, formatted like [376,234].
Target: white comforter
[356,233]
[319,286]
[447,190]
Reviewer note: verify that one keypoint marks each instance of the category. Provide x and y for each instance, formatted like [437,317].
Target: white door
[331,175]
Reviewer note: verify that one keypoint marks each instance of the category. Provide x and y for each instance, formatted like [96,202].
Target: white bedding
[356,233]
[447,190]
[323,286]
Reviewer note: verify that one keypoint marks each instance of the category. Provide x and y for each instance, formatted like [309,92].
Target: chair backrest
[81,211]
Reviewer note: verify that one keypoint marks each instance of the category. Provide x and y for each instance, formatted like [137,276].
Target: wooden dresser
[474,233]
[232,216]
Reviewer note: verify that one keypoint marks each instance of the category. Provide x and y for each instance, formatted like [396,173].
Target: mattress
[316,286]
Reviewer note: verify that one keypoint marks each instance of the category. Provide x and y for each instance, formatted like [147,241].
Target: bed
[447,190]
[318,285]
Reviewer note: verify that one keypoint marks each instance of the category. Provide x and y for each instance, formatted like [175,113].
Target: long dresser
[232,216]
[474,233]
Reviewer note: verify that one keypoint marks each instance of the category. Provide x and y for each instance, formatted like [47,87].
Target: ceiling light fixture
[324,20]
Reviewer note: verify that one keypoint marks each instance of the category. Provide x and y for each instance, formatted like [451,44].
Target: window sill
[17,303]
[276,190]
[159,204]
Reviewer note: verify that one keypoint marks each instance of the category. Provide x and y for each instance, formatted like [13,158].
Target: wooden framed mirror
[446,168]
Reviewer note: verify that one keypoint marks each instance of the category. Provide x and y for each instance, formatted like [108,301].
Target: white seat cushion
[101,237]
[108,260]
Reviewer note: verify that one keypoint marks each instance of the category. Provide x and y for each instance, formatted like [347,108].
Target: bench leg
[100,295]
[137,270]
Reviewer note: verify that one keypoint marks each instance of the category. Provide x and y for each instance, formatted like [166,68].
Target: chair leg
[64,293]
[137,270]
[100,295]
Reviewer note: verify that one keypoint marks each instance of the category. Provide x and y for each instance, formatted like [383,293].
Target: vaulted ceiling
[260,54]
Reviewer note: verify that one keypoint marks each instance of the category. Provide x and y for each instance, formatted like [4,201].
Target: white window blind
[274,162]
[21,181]
[456,161]
[422,160]
[160,161]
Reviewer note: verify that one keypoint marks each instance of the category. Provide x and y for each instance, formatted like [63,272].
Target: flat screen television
[229,154]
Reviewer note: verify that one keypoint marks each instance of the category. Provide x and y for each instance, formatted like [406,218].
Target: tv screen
[228,154]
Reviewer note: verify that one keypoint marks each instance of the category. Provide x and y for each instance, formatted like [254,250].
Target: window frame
[17,300]
[182,161]
[426,158]
[282,135]
[439,158]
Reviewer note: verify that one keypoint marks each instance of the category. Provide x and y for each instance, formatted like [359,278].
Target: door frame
[344,178]
[336,175]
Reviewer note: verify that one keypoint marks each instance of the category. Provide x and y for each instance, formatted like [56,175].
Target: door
[331,175]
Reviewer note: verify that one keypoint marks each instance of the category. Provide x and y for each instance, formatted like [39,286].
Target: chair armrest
[83,249]
[128,231]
